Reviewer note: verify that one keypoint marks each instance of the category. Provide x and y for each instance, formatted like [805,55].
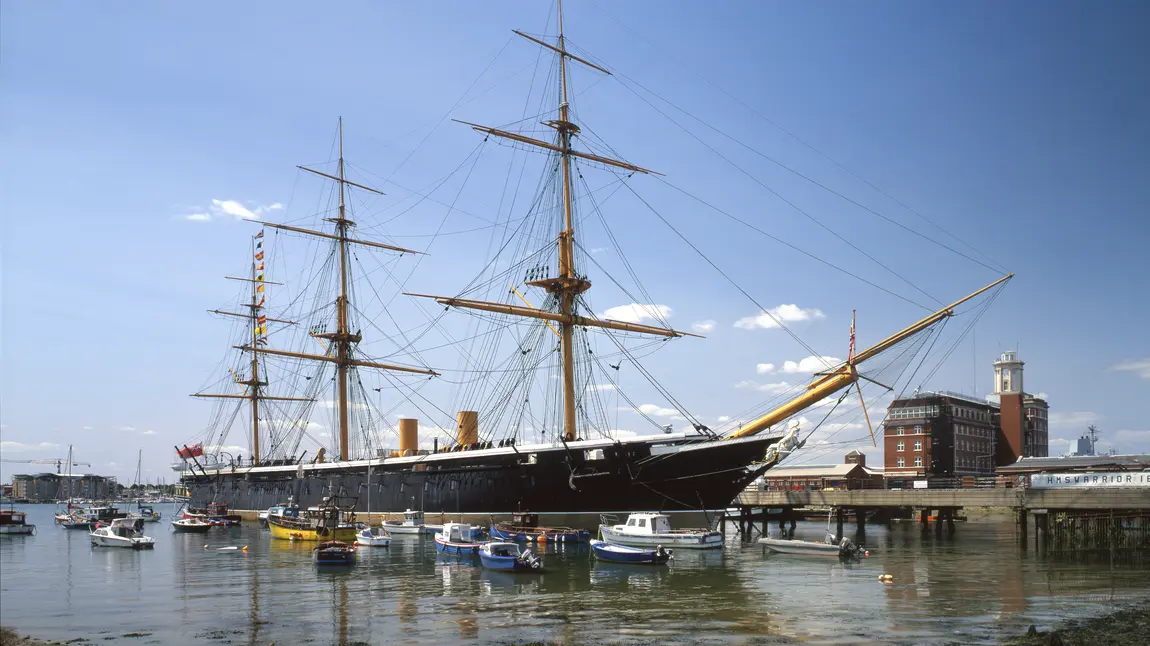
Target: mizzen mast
[568,285]
[342,338]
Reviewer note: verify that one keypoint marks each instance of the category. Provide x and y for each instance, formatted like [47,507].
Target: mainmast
[343,338]
[258,325]
[568,285]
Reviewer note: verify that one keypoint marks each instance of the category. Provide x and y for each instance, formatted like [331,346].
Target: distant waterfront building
[1078,463]
[852,474]
[49,487]
[1023,418]
[939,434]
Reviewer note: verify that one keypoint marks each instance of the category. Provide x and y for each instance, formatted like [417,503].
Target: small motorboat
[77,521]
[412,523]
[123,532]
[334,553]
[15,523]
[844,549]
[146,514]
[525,527]
[457,539]
[653,530]
[277,511]
[191,525]
[509,557]
[624,554]
[373,536]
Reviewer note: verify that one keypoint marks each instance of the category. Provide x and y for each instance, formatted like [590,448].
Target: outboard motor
[847,549]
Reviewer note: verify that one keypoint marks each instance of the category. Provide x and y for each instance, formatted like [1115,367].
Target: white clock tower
[1008,374]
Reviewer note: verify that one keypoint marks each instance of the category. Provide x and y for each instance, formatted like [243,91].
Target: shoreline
[1127,625]
[9,637]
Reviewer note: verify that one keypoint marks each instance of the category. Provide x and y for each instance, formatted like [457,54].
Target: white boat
[653,530]
[123,532]
[842,549]
[412,523]
[368,535]
[373,536]
[276,511]
[146,514]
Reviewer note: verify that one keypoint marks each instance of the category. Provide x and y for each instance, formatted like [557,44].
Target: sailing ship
[582,470]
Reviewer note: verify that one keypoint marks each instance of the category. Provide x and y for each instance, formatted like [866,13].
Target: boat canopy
[649,523]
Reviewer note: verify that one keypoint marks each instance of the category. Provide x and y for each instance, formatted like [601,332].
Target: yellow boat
[313,524]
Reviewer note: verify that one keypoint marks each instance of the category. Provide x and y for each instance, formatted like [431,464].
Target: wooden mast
[343,338]
[568,285]
[566,253]
[255,381]
[342,341]
[254,384]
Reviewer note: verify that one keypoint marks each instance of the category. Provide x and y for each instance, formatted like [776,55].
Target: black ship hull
[587,477]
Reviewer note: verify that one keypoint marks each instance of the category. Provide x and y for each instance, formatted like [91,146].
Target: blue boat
[508,557]
[334,553]
[623,554]
[457,539]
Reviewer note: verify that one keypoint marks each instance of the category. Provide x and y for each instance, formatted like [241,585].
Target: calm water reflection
[975,587]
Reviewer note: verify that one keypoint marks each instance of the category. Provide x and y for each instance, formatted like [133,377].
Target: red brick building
[939,434]
[1023,430]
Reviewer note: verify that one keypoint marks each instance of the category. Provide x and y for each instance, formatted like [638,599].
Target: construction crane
[59,462]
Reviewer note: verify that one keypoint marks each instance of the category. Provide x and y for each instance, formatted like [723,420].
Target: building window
[918,462]
[900,430]
[918,430]
[918,445]
[901,462]
[901,445]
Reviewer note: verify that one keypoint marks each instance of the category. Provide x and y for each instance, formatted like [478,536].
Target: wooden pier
[1065,520]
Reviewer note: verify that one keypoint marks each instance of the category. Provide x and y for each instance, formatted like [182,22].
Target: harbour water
[975,587]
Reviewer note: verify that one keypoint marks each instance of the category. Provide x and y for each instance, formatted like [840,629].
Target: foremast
[257,324]
[568,285]
[343,339]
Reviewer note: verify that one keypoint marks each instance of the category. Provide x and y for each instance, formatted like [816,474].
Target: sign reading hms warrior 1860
[1099,480]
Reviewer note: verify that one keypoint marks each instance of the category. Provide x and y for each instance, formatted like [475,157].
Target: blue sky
[1020,128]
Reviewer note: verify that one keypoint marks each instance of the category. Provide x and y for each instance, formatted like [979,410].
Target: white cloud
[655,411]
[232,208]
[1072,420]
[18,446]
[85,428]
[785,313]
[595,251]
[810,364]
[724,418]
[148,432]
[764,368]
[703,327]
[225,448]
[602,387]
[773,389]
[1042,396]
[127,428]
[1140,367]
[637,312]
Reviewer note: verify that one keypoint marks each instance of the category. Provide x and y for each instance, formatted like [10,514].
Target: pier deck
[1025,499]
